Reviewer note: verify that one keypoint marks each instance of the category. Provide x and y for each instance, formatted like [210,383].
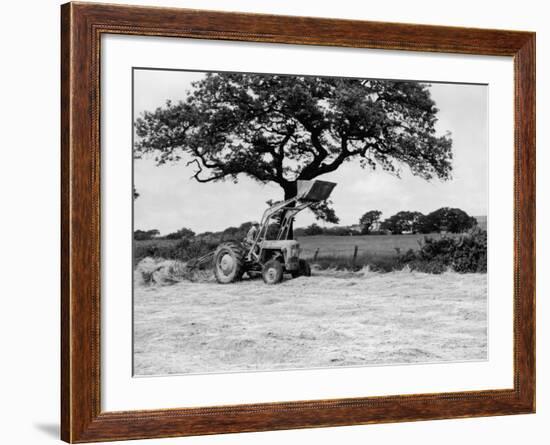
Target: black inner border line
[133,92]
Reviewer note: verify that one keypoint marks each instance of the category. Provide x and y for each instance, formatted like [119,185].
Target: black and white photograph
[287,222]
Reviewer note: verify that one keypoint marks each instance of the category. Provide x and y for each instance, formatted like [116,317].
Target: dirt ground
[329,319]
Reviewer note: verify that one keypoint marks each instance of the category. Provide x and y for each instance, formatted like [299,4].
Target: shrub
[470,254]
[184,232]
[467,253]
[300,231]
[313,229]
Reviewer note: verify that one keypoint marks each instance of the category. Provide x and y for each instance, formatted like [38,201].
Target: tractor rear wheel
[304,270]
[272,272]
[228,263]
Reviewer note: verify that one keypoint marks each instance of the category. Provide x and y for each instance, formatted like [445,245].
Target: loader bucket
[314,190]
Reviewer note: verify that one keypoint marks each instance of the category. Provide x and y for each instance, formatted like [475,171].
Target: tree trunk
[290,189]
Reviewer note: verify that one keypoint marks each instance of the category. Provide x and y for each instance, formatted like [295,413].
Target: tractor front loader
[271,258]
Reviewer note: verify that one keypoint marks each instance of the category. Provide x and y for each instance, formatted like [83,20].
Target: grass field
[379,245]
[339,245]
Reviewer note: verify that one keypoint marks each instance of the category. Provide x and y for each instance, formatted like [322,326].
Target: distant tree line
[445,219]
[143,235]
[228,234]
[315,229]
[184,232]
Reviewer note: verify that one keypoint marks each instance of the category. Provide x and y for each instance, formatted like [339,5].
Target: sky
[170,199]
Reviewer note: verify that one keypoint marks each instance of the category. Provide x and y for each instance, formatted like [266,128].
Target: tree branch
[200,170]
[311,170]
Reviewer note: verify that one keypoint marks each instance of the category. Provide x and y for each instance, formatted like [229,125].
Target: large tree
[368,220]
[446,219]
[403,221]
[280,129]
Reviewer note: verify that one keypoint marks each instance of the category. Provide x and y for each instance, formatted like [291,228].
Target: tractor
[271,257]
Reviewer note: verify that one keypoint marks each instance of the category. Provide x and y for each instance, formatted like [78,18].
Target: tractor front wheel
[228,263]
[272,272]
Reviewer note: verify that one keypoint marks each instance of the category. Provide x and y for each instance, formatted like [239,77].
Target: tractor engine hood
[278,244]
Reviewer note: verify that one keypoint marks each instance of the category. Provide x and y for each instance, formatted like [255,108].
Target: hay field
[334,318]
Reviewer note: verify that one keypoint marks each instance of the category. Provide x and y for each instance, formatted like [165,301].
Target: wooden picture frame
[82,25]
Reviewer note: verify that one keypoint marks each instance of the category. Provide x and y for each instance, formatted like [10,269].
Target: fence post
[315,254]
[353,261]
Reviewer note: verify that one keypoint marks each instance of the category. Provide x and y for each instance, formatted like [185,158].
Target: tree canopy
[277,128]
[368,219]
[403,221]
[446,219]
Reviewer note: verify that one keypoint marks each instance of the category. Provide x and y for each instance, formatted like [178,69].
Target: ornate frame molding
[82,25]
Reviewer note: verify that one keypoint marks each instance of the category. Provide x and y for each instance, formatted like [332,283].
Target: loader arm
[308,193]
[269,213]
